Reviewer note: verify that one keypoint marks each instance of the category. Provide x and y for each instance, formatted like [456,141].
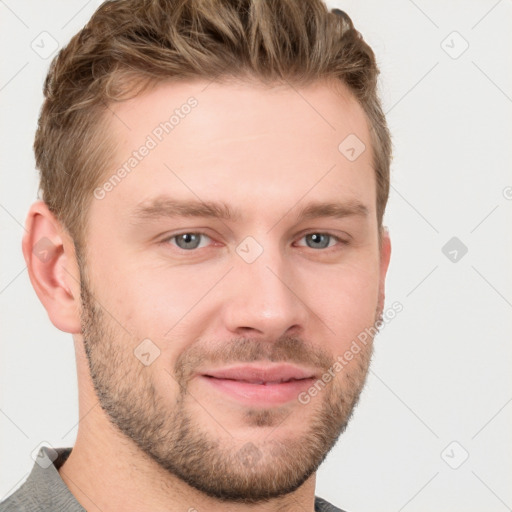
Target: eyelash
[341,241]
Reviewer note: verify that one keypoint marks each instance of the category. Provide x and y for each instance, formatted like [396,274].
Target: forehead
[219,113]
[240,141]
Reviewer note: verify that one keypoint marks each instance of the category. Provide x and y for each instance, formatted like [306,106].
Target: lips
[259,385]
[261,375]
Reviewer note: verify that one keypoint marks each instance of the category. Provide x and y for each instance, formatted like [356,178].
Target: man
[214,177]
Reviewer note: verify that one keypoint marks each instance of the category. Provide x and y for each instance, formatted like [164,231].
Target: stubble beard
[222,467]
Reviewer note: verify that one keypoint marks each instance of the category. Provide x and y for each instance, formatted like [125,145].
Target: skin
[271,154]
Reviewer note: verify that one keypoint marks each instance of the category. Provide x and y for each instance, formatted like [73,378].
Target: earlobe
[51,262]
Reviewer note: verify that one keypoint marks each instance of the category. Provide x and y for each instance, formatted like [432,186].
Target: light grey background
[441,370]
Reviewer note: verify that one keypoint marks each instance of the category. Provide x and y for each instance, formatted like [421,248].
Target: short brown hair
[129,45]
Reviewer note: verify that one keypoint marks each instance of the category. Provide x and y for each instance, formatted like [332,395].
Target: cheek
[157,305]
[347,301]
[146,301]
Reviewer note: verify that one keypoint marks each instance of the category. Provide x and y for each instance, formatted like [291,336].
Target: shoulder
[22,500]
[324,506]
[43,489]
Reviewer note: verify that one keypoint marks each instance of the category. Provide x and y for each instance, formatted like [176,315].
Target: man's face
[204,333]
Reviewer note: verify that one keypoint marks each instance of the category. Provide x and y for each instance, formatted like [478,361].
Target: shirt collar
[45,485]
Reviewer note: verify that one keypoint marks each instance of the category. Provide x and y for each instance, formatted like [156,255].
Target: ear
[385,255]
[49,253]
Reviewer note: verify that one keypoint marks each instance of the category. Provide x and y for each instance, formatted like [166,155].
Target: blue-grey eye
[188,240]
[318,240]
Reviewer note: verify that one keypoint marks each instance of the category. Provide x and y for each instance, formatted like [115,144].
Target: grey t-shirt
[44,489]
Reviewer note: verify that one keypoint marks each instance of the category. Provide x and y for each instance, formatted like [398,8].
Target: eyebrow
[166,207]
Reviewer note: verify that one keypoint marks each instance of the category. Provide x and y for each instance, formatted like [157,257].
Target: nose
[265,299]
